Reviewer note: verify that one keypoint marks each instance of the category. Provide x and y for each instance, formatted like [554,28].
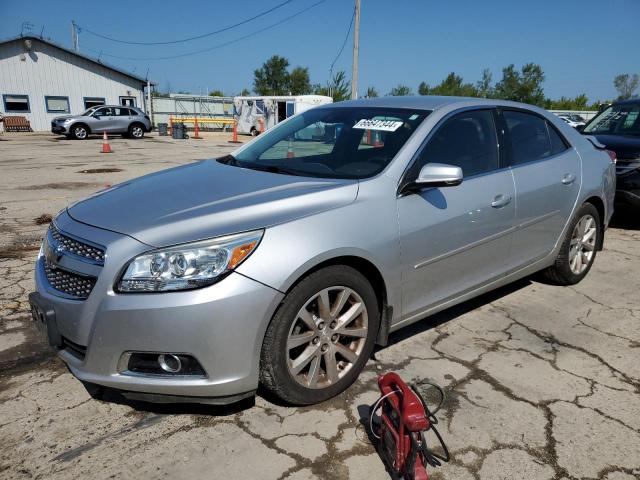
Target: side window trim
[408,171]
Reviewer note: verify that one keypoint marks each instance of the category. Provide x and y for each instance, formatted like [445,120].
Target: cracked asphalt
[542,382]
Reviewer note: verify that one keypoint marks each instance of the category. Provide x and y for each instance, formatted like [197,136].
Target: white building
[41,80]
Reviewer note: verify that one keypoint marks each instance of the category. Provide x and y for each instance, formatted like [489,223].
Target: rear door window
[558,145]
[529,137]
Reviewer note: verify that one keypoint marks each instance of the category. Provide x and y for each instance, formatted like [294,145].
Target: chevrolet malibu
[285,263]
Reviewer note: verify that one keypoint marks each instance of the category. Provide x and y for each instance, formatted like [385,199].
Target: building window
[16,103]
[128,101]
[93,102]
[56,104]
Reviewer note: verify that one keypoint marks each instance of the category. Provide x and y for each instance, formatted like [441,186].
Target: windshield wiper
[273,169]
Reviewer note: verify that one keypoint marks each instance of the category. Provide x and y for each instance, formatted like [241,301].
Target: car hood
[625,146]
[64,117]
[207,199]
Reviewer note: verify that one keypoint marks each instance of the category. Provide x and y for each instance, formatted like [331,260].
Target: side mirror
[95,115]
[439,175]
[580,128]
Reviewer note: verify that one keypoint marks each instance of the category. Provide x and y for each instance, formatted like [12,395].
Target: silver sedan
[286,262]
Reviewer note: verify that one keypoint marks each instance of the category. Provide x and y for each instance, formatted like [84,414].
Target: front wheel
[79,132]
[578,251]
[321,336]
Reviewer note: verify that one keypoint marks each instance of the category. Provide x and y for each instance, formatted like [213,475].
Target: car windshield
[622,119]
[89,111]
[332,142]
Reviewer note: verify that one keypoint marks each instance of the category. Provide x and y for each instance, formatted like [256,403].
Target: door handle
[501,201]
[568,179]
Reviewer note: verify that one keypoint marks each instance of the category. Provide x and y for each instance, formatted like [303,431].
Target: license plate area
[44,318]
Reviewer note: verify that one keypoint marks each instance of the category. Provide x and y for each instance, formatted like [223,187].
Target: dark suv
[129,121]
[618,128]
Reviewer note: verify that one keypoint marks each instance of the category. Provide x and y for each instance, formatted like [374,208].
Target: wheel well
[599,205]
[80,124]
[373,275]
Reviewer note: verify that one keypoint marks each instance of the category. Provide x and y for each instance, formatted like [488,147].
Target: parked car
[287,261]
[618,128]
[128,121]
[573,120]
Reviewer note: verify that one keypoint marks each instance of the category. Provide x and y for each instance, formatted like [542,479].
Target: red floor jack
[404,421]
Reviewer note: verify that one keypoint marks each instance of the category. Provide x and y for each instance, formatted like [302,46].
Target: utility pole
[74,36]
[356,40]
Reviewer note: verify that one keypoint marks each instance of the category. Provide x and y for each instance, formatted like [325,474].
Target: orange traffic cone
[106,148]
[196,129]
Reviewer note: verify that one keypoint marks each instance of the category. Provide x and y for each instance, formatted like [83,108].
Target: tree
[216,93]
[299,83]
[338,87]
[453,86]
[626,85]
[580,102]
[371,93]
[400,91]
[244,93]
[272,78]
[483,87]
[424,89]
[524,86]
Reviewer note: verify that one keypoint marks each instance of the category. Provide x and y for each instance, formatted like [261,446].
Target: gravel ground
[542,382]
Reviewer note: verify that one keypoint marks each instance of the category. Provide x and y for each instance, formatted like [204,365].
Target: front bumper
[221,326]
[58,128]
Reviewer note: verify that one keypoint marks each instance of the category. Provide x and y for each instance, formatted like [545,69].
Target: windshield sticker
[382,125]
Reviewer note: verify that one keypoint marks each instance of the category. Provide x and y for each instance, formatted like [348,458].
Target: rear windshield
[333,142]
[621,119]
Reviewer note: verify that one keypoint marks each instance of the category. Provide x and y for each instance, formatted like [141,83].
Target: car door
[102,120]
[547,174]
[455,238]
[124,118]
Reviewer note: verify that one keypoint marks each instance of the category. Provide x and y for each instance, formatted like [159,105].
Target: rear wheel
[321,336]
[254,132]
[136,131]
[79,132]
[578,251]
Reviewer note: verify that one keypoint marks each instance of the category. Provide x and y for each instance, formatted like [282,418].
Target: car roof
[114,106]
[631,101]
[426,102]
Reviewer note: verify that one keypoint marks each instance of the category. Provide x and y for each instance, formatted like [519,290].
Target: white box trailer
[254,114]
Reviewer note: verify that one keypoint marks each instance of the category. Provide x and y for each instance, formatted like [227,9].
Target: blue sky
[581,44]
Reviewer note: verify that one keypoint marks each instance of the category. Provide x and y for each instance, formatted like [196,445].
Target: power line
[204,35]
[215,47]
[345,41]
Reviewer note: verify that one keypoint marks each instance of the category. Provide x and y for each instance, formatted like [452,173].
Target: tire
[136,131]
[290,339]
[254,132]
[80,132]
[570,266]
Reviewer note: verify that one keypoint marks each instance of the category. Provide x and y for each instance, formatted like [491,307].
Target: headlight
[188,266]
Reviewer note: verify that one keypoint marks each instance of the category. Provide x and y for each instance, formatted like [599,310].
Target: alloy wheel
[583,244]
[136,132]
[80,132]
[327,337]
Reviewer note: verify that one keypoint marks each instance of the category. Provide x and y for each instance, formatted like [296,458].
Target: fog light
[161,364]
[169,363]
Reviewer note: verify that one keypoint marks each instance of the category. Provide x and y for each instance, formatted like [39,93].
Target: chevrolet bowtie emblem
[53,255]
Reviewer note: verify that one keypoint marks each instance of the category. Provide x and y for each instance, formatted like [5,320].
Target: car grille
[69,283]
[76,247]
[78,351]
